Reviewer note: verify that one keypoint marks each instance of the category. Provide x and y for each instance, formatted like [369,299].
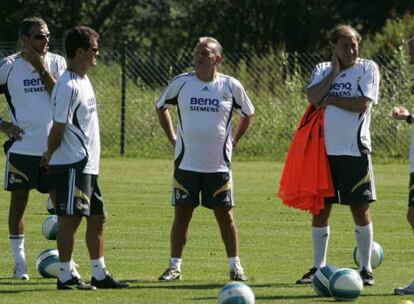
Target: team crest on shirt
[14,180]
[227,96]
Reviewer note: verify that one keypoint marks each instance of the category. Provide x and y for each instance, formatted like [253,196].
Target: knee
[410,218]
[225,217]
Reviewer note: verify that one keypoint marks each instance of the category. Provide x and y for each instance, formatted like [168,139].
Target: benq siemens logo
[204,104]
[341,89]
[33,85]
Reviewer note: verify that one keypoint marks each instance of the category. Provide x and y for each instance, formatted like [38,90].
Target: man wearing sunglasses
[27,78]
[73,157]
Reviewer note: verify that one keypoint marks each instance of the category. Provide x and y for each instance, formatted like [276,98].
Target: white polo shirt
[204,139]
[347,133]
[28,100]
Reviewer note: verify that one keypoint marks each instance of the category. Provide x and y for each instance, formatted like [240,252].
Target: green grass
[275,240]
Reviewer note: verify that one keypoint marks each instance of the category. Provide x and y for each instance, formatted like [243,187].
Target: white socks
[17,244]
[320,237]
[65,271]
[99,269]
[234,263]
[363,236]
[175,263]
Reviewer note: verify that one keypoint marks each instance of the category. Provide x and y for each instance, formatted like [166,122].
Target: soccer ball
[345,284]
[377,255]
[235,293]
[47,263]
[49,206]
[320,281]
[49,227]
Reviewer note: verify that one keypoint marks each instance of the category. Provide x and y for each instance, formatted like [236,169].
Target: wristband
[409,119]
[1,120]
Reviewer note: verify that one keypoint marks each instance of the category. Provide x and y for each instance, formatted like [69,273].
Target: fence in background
[128,83]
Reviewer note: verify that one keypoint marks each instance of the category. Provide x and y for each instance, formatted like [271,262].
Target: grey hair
[28,23]
[207,40]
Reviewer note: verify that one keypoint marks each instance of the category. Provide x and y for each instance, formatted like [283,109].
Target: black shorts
[24,172]
[216,189]
[411,191]
[353,179]
[78,193]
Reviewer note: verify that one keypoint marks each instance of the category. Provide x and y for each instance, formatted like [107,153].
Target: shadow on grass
[310,298]
[190,286]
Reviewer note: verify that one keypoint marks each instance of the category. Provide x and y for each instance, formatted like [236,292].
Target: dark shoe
[108,282]
[73,284]
[307,277]
[170,274]
[367,277]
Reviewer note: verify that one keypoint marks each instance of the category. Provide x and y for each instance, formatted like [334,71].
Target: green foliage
[391,39]
[275,241]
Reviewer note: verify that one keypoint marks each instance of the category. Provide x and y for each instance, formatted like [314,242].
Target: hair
[343,30]
[207,40]
[78,37]
[28,23]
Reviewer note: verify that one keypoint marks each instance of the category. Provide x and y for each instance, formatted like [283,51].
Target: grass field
[275,240]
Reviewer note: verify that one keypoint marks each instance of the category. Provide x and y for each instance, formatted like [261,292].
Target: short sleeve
[5,66]
[369,83]
[242,102]
[319,72]
[170,95]
[63,96]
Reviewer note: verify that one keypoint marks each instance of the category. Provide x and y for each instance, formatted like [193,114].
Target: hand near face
[336,67]
[34,58]
[400,113]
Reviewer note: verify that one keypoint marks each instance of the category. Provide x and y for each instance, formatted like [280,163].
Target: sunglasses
[41,36]
[94,50]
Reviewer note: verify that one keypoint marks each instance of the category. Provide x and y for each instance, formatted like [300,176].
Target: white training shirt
[347,133]
[28,100]
[75,105]
[204,140]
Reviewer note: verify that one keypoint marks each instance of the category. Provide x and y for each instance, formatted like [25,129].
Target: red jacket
[306,179]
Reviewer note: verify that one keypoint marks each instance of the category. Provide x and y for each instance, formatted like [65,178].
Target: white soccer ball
[49,206]
[345,284]
[47,263]
[377,255]
[320,281]
[236,293]
[49,227]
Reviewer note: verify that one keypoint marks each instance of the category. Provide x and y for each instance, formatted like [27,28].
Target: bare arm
[352,104]
[166,123]
[38,62]
[53,141]
[11,130]
[242,127]
[319,91]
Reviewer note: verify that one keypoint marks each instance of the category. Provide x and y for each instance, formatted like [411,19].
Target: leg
[364,237]
[95,236]
[320,240]
[179,230]
[410,216]
[18,203]
[320,236]
[228,230]
[67,226]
